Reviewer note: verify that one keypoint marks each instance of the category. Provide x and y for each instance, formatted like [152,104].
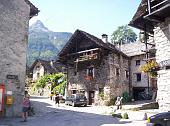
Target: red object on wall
[2,94]
[88,78]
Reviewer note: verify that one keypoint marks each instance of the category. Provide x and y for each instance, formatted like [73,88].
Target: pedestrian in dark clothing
[57,99]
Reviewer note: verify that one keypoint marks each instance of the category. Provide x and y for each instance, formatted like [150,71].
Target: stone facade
[109,71]
[154,20]
[105,79]
[162,41]
[14,22]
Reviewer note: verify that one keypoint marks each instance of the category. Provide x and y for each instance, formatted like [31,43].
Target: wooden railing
[87,57]
[154,5]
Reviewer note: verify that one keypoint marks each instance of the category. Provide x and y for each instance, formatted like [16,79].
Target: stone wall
[162,41]
[79,82]
[118,83]
[14,19]
[104,77]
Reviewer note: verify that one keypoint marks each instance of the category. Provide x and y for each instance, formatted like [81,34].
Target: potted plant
[151,67]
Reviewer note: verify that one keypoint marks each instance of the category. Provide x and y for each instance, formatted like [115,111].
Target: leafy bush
[125,115]
[58,82]
[101,95]
[60,88]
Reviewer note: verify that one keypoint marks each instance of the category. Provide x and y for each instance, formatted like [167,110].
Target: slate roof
[94,39]
[133,49]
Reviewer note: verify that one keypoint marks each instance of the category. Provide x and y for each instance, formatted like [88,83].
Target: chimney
[104,38]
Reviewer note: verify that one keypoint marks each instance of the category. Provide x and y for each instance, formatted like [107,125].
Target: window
[90,72]
[117,71]
[37,67]
[137,62]
[74,91]
[126,74]
[138,77]
[167,67]
[38,75]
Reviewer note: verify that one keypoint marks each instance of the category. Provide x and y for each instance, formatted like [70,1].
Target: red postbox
[2,94]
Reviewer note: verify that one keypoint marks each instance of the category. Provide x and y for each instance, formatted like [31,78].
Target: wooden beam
[149,6]
[83,51]
[149,43]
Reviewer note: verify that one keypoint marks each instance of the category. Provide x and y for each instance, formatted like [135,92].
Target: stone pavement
[44,106]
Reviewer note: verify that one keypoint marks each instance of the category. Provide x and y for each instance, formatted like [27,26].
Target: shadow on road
[49,115]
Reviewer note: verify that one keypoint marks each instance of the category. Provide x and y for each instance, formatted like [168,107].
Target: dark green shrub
[125,116]
[116,115]
[126,97]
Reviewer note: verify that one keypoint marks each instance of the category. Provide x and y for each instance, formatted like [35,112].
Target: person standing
[57,99]
[25,107]
[118,102]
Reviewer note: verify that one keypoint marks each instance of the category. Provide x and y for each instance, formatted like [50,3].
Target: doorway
[137,93]
[91,97]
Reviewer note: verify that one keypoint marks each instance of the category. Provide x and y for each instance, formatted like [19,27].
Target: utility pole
[147,56]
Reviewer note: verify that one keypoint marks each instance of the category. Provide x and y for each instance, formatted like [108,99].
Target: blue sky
[93,16]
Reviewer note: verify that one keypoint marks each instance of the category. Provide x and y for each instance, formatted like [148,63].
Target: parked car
[161,119]
[76,100]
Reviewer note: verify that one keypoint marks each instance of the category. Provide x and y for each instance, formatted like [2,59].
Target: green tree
[123,35]
[58,82]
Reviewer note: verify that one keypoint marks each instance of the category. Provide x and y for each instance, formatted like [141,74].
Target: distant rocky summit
[43,43]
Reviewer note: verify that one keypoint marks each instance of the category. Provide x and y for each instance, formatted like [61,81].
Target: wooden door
[91,97]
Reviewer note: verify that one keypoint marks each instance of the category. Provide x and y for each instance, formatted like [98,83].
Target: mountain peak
[38,25]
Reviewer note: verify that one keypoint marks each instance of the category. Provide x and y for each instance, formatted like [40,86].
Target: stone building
[41,67]
[14,22]
[153,17]
[95,67]
[140,82]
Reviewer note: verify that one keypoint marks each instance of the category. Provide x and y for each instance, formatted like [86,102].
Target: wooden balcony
[158,10]
[87,57]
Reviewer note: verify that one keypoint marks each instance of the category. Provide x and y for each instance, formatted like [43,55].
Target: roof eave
[33,10]
[138,21]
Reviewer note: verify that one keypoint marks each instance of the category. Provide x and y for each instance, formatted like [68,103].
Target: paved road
[47,114]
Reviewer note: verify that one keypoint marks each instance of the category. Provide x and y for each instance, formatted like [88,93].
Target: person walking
[25,107]
[118,102]
[57,99]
